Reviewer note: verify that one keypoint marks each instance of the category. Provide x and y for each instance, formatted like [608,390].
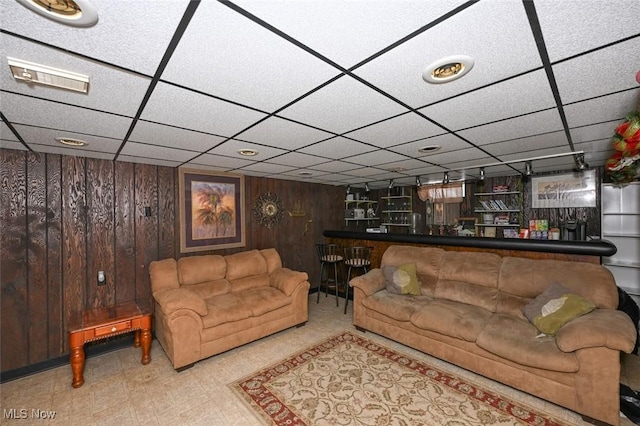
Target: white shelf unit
[621,225]
[356,204]
[509,202]
[396,210]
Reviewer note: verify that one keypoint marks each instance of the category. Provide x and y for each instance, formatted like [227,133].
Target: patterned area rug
[349,380]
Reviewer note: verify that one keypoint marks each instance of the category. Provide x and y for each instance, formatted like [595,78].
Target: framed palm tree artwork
[211,210]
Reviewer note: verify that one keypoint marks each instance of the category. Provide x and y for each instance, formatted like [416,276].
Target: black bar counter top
[583,248]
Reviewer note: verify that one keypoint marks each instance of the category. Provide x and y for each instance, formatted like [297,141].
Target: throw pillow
[401,279]
[555,307]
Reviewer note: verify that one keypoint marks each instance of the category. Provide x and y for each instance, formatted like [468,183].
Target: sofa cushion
[453,319]
[226,308]
[200,269]
[272,258]
[264,299]
[515,339]
[395,306]
[209,289]
[401,279]
[246,283]
[427,260]
[555,307]
[245,264]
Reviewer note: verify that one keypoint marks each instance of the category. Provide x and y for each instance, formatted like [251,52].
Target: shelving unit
[396,210]
[621,226]
[499,203]
[357,204]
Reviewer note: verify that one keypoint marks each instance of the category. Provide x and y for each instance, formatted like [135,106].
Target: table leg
[77,365]
[136,339]
[145,342]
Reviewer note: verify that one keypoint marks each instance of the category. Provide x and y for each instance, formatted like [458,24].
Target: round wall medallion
[268,209]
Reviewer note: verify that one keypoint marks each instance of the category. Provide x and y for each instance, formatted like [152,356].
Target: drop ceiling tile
[219,161]
[376,158]
[500,101]
[134,37]
[571,27]
[334,167]
[158,134]
[537,153]
[269,73]
[6,133]
[72,152]
[443,158]
[281,133]
[594,132]
[230,149]
[447,142]
[67,118]
[146,160]
[574,76]
[519,127]
[595,146]
[499,46]
[365,172]
[605,108]
[468,163]
[110,89]
[5,144]
[548,140]
[267,168]
[297,158]
[347,32]
[395,131]
[403,166]
[336,148]
[342,106]
[46,137]
[156,152]
[426,170]
[190,110]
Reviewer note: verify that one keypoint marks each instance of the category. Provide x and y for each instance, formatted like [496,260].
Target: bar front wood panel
[64,218]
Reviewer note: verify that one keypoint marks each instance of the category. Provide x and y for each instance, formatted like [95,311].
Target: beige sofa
[208,304]
[469,313]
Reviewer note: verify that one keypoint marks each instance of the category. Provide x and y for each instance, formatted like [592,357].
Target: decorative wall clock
[268,209]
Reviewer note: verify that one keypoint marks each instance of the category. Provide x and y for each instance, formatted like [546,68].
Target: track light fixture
[366,188]
[418,183]
[481,177]
[580,164]
[445,178]
[391,183]
[528,168]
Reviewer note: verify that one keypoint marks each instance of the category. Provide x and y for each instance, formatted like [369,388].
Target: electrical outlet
[102,279]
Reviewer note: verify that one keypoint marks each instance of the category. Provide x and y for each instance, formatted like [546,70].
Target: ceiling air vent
[41,74]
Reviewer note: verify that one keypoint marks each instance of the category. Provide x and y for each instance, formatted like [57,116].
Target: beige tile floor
[118,390]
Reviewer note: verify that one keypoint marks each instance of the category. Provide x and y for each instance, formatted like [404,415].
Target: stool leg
[320,282]
[346,291]
[335,281]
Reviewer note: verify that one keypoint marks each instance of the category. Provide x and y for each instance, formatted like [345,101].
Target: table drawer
[113,328]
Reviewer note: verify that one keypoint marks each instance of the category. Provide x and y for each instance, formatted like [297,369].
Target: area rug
[350,380]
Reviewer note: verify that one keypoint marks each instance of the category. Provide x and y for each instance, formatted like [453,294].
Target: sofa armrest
[286,280]
[602,327]
[170,300]
[369,283]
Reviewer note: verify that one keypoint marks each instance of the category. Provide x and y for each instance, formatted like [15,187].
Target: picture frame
[577,189]
[211,210]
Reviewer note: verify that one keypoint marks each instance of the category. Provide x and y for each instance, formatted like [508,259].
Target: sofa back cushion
[163,274]
[247,269]
[204,275]
[469,277]
[427,260]
[523,279]
[273,259]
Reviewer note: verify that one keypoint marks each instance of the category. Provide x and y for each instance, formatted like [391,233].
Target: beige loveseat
[208,304]
[469,312]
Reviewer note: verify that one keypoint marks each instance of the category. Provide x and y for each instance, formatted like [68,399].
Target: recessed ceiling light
[79,13]
[396,169]
[72,142]
[247,152]
[306,173]
[49,76]
[429,148]
[448,69]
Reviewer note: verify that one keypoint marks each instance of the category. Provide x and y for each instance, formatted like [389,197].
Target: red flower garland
[622,165]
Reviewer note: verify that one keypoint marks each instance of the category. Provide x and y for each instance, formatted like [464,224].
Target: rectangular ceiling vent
[41,74]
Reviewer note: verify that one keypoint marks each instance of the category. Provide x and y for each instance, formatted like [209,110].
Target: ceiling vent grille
[41,74]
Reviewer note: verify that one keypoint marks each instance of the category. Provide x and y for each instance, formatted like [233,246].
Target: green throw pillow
[555,307]
[401,279]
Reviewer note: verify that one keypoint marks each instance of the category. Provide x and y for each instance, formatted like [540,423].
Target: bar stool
[355,257]
[329,255]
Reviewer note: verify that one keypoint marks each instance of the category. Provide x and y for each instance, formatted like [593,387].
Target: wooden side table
[100,323]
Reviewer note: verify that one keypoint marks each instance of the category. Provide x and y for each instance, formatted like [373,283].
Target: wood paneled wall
[63,218]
